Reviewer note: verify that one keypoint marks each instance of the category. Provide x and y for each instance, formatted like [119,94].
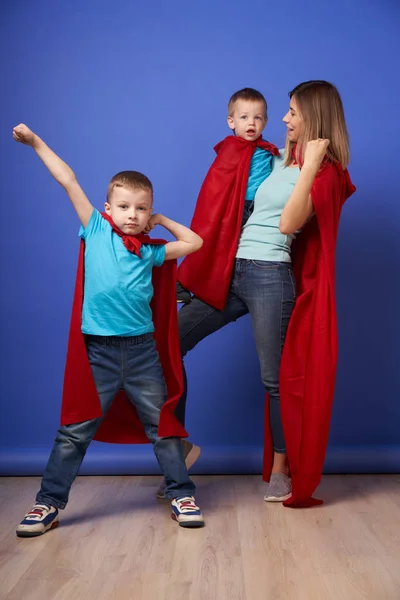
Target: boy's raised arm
[59,169]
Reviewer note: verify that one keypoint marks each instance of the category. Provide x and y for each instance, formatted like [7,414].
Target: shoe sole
[276,498]
[188,524]
[53,525]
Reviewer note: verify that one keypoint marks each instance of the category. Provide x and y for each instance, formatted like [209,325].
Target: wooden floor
[117,542]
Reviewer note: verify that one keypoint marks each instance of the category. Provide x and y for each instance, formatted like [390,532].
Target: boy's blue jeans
[132,364]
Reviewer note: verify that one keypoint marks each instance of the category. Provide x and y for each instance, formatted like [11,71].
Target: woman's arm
[299,207]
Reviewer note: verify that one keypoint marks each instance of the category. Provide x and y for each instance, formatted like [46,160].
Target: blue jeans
[266,290]
[132,364]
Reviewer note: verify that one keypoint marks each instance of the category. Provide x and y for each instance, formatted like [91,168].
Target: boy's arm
[59,169]
[187,241]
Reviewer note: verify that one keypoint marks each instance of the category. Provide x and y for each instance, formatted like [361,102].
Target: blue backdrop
[134,85]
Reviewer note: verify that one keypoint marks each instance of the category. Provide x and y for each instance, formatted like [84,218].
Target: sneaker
[183,296]
[37,521]
[185,511]
[279,488]
[191,452]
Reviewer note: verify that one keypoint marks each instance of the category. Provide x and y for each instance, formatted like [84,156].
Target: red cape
[308,367]
[80,401]
[218,218]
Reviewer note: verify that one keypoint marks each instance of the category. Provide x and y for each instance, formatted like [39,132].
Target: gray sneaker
[279,488]
[191,452]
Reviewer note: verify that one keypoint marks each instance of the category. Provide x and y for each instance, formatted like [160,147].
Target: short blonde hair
[130,179]
[322,112]
[248,94]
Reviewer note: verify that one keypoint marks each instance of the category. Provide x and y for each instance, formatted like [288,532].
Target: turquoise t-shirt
[260,238]
[118,286]
[260,169]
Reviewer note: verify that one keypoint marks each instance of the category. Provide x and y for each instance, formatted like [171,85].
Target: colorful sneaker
[185,511]
[279,488]
[37,521]
[183,296]
[191,452]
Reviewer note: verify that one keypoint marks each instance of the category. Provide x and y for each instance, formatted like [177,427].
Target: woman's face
[293,121]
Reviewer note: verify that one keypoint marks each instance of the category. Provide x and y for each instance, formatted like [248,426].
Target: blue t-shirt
[118,286]
[260,169]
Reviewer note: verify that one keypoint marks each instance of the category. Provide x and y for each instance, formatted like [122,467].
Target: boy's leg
[183,296]
[73,440]
[68,451]
[145,386]
[197,321]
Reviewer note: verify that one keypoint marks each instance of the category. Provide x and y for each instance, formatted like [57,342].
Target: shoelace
[186,504]
[37,512]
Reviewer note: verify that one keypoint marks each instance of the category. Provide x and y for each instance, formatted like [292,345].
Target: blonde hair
[129,179]
[321,110]
[249,94]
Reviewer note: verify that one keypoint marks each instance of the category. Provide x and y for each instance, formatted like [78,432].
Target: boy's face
[130,209]
[248,119]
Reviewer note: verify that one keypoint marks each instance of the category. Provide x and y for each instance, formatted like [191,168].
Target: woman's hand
[315,152]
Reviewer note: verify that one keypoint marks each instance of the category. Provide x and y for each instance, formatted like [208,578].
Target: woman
[306,190]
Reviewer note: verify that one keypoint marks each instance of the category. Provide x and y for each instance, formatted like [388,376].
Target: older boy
[117,327]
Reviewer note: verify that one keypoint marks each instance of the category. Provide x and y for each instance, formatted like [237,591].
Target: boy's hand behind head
[22,133]
[153,221]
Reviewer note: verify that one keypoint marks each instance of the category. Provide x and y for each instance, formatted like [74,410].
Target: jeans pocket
[95,349]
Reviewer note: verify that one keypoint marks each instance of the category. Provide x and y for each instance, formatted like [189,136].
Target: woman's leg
[269,291]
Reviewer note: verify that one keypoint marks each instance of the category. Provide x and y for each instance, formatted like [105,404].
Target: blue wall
[133,85]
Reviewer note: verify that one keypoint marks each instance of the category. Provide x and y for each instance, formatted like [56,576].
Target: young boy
[117,349]
[226,200]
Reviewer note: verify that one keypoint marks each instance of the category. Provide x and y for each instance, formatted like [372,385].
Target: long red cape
[308,367]
[80,400]
[218,218]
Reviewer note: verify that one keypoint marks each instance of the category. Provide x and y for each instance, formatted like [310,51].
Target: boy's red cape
[80,400]
[308,367]
[218,218]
